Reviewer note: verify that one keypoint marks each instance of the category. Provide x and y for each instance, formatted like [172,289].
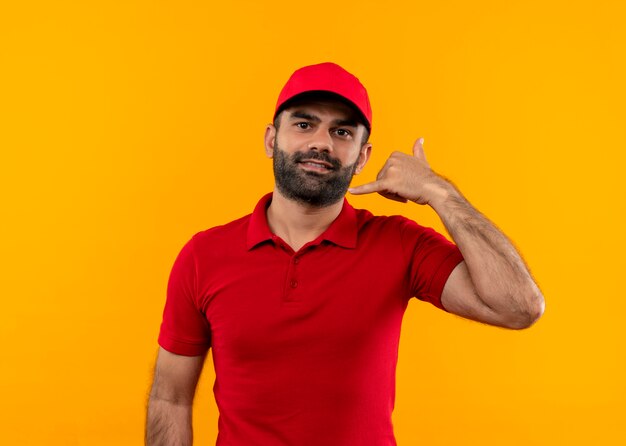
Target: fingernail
[421,140]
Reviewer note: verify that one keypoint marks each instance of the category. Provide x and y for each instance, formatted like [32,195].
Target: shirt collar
[342,231]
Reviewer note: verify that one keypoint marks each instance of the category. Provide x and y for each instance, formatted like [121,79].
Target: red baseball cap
[330,78]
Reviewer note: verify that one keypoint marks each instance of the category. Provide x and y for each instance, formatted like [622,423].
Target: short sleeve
[184,330]
[432,258]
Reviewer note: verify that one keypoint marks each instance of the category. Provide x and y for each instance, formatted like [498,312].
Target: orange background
[127,126]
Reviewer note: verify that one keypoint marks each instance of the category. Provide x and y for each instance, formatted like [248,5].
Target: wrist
[443,192]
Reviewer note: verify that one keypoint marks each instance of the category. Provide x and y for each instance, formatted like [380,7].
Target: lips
[316,164]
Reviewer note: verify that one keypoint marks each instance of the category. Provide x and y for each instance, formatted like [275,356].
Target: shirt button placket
[292,280]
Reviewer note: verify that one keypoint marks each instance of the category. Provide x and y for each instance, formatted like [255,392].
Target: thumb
[418,149]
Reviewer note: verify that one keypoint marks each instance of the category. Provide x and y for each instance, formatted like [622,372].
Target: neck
[297,223]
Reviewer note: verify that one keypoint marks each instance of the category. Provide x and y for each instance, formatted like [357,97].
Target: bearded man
[301,302]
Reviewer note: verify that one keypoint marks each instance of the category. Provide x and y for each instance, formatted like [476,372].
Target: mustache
[315,155]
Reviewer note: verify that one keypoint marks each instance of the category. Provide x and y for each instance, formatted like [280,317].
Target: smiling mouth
[316,165]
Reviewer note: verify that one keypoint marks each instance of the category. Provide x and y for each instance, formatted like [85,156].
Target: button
[296,260]
[293,284]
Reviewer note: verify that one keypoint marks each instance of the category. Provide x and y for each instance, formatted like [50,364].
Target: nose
[321,141]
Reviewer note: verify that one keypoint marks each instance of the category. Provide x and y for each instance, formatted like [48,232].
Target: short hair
[322,96]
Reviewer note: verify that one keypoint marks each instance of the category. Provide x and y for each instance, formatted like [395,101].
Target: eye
[343,133]
[303,125]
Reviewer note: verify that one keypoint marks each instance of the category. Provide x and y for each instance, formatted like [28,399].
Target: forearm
[168,423]
[500,277]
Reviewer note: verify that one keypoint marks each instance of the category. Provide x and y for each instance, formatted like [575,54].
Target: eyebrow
[340,122]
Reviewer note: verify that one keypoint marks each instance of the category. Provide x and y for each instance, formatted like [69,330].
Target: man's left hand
[405,177]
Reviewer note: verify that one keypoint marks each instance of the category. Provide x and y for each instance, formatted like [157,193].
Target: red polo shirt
[304,343]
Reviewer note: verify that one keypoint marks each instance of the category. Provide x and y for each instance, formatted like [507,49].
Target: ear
[270,140]
[364,156]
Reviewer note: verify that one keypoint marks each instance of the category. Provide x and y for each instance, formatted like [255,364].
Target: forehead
[324,108]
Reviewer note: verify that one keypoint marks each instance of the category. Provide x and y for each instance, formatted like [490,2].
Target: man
[302,301]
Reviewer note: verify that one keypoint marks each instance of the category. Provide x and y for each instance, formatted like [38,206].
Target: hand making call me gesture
[493,284]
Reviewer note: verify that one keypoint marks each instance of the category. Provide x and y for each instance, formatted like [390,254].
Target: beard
[311,188]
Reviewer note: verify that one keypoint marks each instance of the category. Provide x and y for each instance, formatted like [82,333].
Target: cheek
[284,140]
[355,157]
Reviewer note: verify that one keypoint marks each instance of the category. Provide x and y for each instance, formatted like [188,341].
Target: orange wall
[127,126]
